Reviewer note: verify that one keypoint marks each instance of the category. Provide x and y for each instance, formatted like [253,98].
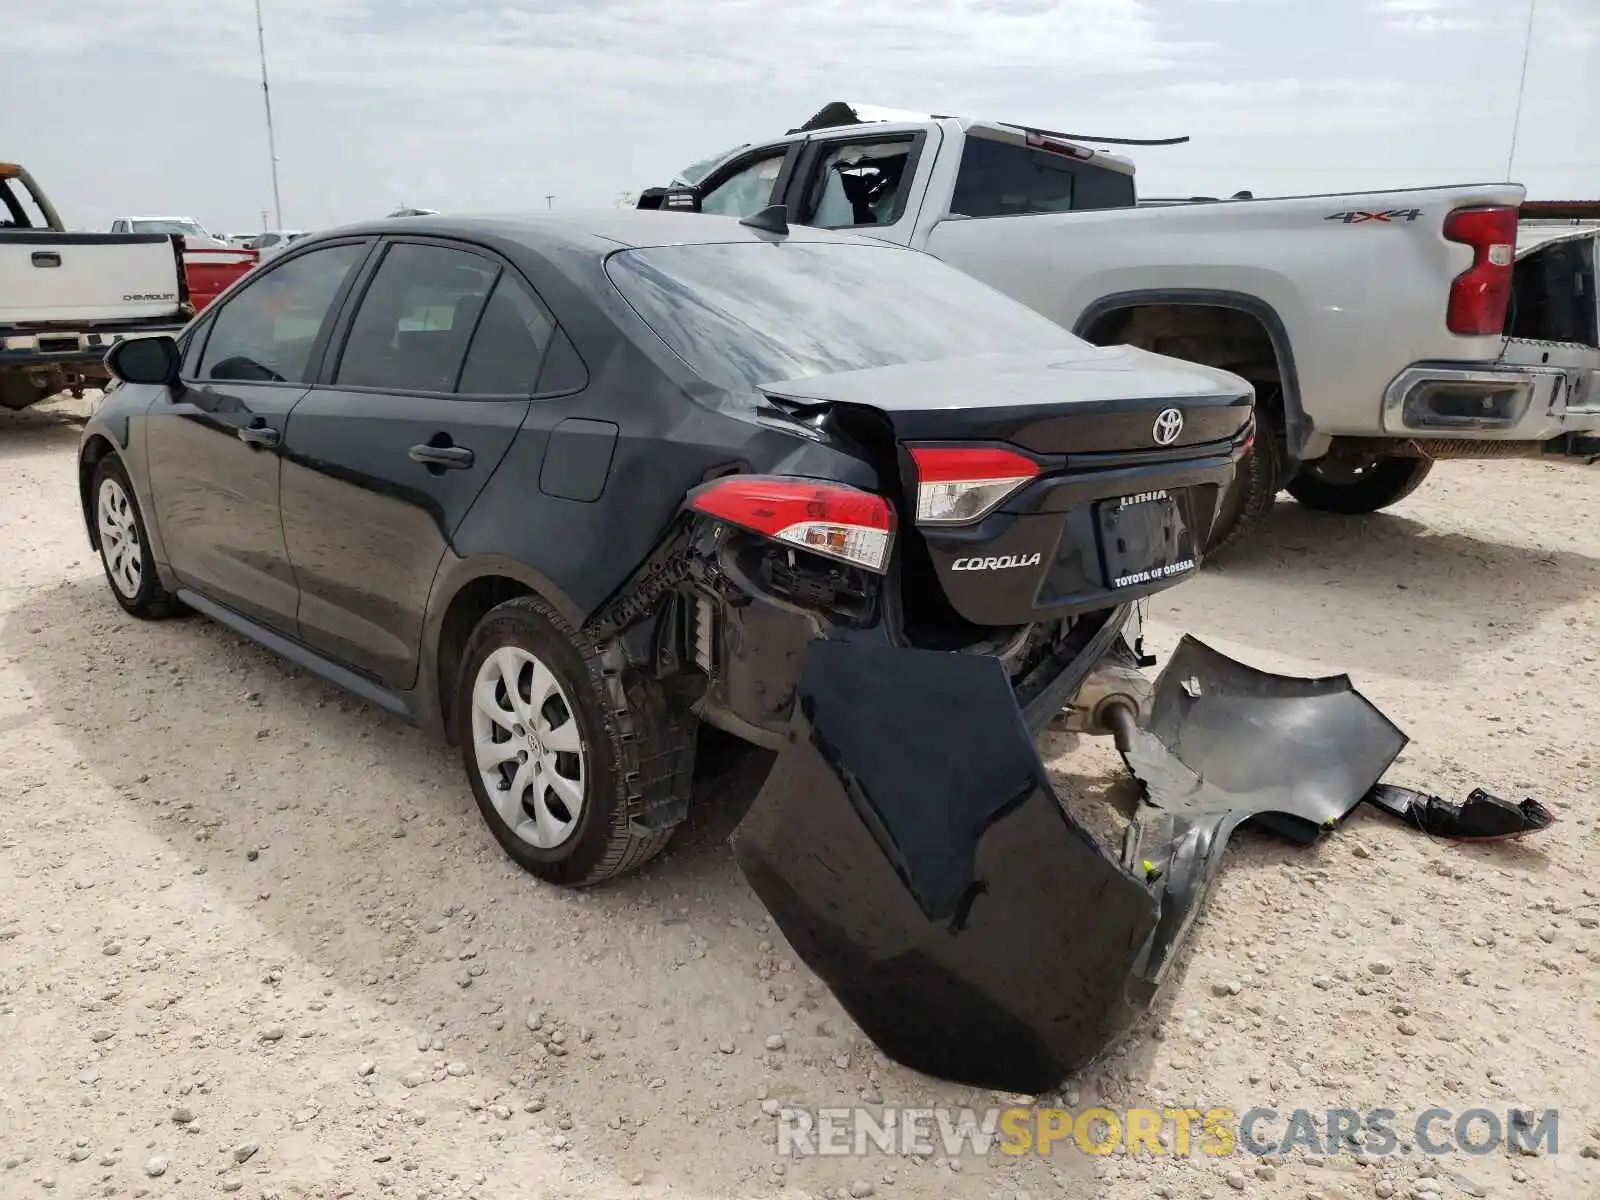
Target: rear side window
[1001,179]
[860,183]
[509,346]
[415,321]
[265,334]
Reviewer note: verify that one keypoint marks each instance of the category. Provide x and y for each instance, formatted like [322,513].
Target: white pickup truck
[66,297]
[1382,330]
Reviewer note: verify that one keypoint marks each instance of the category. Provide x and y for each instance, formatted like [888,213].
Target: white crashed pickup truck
[1382,330]
[66,297]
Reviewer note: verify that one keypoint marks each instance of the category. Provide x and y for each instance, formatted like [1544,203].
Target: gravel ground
[254,938]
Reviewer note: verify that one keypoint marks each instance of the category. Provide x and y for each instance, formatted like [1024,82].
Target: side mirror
[651,197]
[151,360]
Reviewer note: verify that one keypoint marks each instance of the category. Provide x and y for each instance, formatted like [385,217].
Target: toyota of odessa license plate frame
[1144,538]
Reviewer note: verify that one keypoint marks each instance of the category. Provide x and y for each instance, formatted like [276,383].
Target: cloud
[520,47]
[1433,16]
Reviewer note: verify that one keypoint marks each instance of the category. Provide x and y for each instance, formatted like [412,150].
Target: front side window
[860,183]
[746,192]
[266,333]
[414,323]
[745,314]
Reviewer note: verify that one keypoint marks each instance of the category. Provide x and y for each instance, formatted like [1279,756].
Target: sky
[154,107]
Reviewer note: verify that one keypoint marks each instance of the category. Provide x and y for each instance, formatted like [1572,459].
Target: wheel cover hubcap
[119,538]
[528,747]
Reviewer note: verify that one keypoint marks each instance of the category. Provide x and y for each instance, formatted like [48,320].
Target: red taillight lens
[1479,295]
[958,484]
[825,518]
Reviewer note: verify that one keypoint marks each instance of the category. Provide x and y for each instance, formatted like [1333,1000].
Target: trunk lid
[1125,453]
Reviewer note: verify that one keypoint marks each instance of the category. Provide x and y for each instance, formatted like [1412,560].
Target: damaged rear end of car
[900,633]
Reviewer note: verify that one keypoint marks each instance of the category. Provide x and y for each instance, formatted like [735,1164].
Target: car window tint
[1001,179]
[508,347]
[412,329]
[745,313]
[267,331]
[746,192]
[861,183]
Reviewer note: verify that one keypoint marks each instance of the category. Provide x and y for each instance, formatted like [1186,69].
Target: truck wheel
[1254,490]
[1351,486]
[563,754]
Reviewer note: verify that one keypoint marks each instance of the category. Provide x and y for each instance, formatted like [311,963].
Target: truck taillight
[958,484]
[1479,295]
[830,519]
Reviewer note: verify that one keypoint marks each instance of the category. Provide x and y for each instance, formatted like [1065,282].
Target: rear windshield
[751,313]
[184,228]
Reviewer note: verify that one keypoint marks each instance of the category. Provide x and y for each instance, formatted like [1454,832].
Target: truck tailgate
[86,278]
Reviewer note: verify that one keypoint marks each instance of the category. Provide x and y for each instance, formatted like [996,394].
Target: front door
[215,439]
[384,458]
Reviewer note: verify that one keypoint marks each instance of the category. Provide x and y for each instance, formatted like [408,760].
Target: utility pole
[264,225]
[550,201]
[266,99]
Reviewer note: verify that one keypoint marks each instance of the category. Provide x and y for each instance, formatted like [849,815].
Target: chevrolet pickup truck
[1382,330]
[66,297]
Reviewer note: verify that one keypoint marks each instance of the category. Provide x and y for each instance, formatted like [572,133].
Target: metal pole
[1522,86]
[550,201]
[266,99]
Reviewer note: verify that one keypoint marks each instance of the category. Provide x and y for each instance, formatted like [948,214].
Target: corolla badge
[1169,424]
[1003,562]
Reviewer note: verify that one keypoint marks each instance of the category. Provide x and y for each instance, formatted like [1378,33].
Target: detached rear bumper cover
[911,848]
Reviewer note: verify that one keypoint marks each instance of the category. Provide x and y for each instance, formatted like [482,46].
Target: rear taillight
[830,519]
[1479,295]
[957,484]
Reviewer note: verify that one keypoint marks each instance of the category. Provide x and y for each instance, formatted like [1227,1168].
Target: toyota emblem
[1169,424]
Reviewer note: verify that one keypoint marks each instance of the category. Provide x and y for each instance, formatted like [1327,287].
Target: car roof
[599,231]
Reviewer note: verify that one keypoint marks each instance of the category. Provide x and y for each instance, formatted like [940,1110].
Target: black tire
[1259,478]
[125,545]
[635,759]
[1353,487]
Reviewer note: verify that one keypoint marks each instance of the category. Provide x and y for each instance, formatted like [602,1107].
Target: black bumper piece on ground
[911,848]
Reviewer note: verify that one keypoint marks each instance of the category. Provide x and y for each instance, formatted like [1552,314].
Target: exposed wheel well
[1212,334]
[95,449]
[467,608]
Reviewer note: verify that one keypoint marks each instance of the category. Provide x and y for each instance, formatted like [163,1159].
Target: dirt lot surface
[254,937]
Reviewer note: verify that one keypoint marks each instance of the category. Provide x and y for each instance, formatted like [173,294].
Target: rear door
[214,441]
[422,395]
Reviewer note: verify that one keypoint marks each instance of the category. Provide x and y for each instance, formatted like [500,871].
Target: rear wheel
[125,546]
[1257,481]
[565,759]
[1355,485]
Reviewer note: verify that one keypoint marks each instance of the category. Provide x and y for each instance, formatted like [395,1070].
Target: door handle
[456,457]
[259,435]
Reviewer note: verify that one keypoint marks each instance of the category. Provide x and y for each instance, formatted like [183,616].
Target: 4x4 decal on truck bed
[1356,217]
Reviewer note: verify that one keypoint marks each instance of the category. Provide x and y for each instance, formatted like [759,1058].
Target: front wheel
[565,760]
[125,545]
[1351,486]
